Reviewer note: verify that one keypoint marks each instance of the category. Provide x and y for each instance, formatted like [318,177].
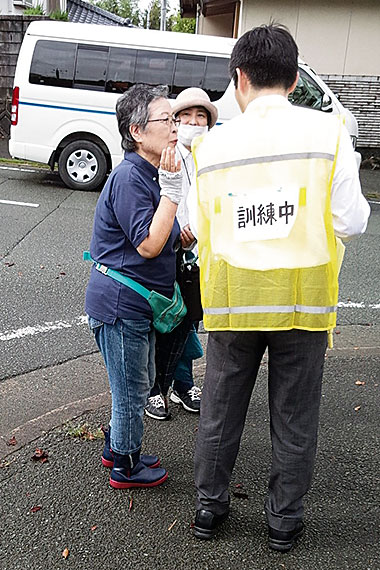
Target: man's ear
[242,89]
[292,87]
[242,81]
[135,132]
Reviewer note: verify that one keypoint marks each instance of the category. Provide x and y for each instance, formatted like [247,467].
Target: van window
[307,93]
[216,78]
[189,72]
[154,67]
[53,63]
[91,67]
[100,68]
[121,69]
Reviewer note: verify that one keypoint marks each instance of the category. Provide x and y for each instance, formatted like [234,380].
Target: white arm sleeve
[350,210]
[192,205]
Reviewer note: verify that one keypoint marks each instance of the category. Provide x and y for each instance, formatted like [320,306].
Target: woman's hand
[170,176]
[168,162]
[187,237]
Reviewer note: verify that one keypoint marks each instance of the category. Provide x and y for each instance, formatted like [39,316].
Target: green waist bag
[167,313]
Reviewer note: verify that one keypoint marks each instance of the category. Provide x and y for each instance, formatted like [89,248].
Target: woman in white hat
[197,115]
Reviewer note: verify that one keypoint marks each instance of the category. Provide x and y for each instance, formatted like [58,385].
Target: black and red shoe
[150,461]
[128,471]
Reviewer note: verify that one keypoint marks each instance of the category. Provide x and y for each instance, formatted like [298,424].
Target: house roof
[86,13]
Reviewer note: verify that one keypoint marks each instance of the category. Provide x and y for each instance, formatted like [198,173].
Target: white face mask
[186,133]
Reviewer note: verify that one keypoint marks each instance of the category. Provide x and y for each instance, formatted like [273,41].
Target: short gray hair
[132,109]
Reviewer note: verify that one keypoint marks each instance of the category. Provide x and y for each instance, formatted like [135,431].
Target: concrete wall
[340,37]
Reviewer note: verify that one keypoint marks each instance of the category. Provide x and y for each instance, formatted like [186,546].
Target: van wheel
[82,165]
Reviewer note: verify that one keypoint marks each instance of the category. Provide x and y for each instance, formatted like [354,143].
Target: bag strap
[117,276]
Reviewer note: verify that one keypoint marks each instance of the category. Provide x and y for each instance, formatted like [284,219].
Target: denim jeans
[127,348]
[183,375]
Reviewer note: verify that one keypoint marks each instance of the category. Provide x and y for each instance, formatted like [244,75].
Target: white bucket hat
[195,97]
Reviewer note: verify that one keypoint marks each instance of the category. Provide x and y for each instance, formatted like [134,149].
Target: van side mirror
[326,103]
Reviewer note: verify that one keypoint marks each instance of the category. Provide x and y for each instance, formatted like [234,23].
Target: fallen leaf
[12,441]
[65,553]
[40,455]
[62,273]
[337,332]
[357,408]
[171,526]
[359,383]
[239,486]
[240,495]
[36,508]
[130,503]
[94,527]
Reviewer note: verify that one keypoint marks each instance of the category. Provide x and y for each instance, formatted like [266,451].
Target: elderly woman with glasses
[136,233]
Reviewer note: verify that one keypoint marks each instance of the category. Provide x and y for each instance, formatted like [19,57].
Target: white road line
[17,168]
[19,203]
[351,305]
[82,320]
[45,327]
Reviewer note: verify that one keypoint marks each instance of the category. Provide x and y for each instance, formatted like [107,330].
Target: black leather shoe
[207,523]
[283,541]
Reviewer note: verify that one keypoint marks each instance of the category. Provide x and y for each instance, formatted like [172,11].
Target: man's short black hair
[268,55]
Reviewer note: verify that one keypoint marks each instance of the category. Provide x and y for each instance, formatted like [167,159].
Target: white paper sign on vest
[267,214]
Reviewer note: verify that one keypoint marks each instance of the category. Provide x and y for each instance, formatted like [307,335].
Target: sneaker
[190,400]
[156,409]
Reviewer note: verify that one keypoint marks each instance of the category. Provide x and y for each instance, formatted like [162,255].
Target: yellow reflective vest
[267,251]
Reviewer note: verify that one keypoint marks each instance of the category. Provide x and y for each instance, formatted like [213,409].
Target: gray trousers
[295,365]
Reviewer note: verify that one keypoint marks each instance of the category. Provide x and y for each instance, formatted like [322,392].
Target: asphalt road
[150,529]
[51,372]
[42,285]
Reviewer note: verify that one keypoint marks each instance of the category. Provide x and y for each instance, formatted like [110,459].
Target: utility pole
[163,15]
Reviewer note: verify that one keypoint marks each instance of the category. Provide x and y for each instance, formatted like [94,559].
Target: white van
[69,77]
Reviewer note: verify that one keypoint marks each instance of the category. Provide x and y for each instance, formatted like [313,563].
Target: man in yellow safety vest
[275,188]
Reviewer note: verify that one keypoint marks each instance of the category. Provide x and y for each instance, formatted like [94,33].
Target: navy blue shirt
[123,216]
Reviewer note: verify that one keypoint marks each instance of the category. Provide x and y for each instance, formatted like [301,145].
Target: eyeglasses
[168,121]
